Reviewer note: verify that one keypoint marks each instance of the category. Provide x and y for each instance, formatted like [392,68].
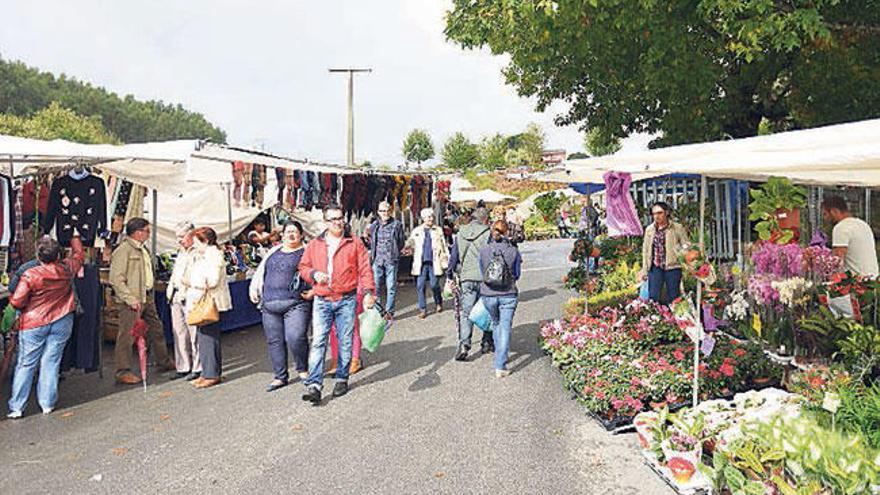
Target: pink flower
[726,369]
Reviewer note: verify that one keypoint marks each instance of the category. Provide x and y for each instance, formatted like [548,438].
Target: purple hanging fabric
[620,211]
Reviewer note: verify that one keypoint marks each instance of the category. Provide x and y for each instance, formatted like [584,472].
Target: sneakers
[487,347]
[462,353]
[48,410]
[340,389]
[502,373]
[14,414]
[302,375]
[195,375]
[313,395]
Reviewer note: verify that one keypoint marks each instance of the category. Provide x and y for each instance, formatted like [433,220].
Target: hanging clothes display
[621,216]
[258,185]
[82,348]
[238,181]
[290,198]
[29,201]
[280,183]
[135,203]
[76,201]
[6,220]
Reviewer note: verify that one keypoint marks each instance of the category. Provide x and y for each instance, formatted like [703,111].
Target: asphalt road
[415,421]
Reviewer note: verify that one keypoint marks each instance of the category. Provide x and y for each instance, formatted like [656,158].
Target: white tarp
[487,195]
[843,154]
[154,165]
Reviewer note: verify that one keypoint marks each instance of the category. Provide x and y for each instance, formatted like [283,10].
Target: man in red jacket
[335,263]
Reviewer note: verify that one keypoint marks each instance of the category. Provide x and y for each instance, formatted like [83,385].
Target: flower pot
[643,423]
[761,381]
[658,405]
[788,219]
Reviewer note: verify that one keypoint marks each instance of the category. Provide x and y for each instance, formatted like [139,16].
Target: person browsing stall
[852,239]
[665,240]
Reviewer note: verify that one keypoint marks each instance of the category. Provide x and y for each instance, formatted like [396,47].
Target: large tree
[599,143]
[459,153]
[493,152]
[687,70]
[417,147]
[25,91]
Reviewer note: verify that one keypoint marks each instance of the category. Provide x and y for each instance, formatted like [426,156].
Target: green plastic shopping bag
[372,328]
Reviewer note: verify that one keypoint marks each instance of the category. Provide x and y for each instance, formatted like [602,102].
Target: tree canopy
[25,91]
[598,143]
[686,70]
[55,122]
[417,147]
[493,152]
[459,153]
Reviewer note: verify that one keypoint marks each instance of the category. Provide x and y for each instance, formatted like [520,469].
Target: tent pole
[696,395]
[229,208]
[155,229]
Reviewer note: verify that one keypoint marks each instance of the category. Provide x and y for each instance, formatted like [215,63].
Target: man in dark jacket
[464,264]
[386,242]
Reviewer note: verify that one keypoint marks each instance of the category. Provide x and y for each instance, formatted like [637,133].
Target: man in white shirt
[852,239]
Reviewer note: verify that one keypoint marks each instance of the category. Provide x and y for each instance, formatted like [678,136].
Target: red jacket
[44,292]
[351,267]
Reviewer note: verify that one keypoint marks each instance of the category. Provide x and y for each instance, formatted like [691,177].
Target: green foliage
[616,298]
[493,152]
[417,147]
[536,227]
[600,143]
[24,91]
[548,204]
[689,71]
[459,153]
[577,156]
[531,145]
[55,122]
[778,193]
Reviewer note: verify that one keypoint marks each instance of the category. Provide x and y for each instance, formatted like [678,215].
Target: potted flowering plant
[776,207]
[682,449]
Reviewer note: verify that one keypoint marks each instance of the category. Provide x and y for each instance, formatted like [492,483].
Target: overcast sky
[258,69]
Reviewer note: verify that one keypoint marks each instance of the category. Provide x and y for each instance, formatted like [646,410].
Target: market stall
[786,314]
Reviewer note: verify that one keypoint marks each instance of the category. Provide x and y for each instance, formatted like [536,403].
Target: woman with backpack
[500,265]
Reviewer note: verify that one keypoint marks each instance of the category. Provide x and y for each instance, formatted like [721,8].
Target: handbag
[203,312]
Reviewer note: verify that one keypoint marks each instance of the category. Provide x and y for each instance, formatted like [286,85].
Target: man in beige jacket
[664,241]
[131,275]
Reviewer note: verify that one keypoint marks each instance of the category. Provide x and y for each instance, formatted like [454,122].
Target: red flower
[677,354]
[739,352]
[726,369]
[600,394]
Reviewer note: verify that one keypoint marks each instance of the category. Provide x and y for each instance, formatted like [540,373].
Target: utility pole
[350,143]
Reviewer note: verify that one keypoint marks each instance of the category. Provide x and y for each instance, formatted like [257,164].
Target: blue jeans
[427,275]
[470,294]
[324,314]
[386,272]
[501,310]
[43,345]
[286,325]
[657,277]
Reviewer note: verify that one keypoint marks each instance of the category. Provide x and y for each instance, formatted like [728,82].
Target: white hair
[426,213]
[184,227]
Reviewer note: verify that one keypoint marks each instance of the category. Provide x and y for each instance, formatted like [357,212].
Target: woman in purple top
[500,299]
[286,302]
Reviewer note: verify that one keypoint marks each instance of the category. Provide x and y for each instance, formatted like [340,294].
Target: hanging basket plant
[776,206]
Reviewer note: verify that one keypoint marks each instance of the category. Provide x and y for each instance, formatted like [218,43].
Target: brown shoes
[206,382]
[439,308]
[127,378]
[355,366]
[423,314]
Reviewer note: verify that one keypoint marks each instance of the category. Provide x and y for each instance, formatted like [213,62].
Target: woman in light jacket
[664,241]
[208,276]
[430,259]
[186,342]
[286,303]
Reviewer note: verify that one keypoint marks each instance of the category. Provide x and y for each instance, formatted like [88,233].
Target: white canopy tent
[843,154]
[487,195]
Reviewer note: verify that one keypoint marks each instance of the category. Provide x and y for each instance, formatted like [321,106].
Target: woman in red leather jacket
[45,297]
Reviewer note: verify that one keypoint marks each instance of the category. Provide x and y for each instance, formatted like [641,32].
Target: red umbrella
[139,333]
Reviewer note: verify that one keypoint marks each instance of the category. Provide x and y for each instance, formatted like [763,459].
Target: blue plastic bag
[643,291]
[480,316]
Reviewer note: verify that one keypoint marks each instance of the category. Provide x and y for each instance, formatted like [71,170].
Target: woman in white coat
[430,259]
[208,276]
